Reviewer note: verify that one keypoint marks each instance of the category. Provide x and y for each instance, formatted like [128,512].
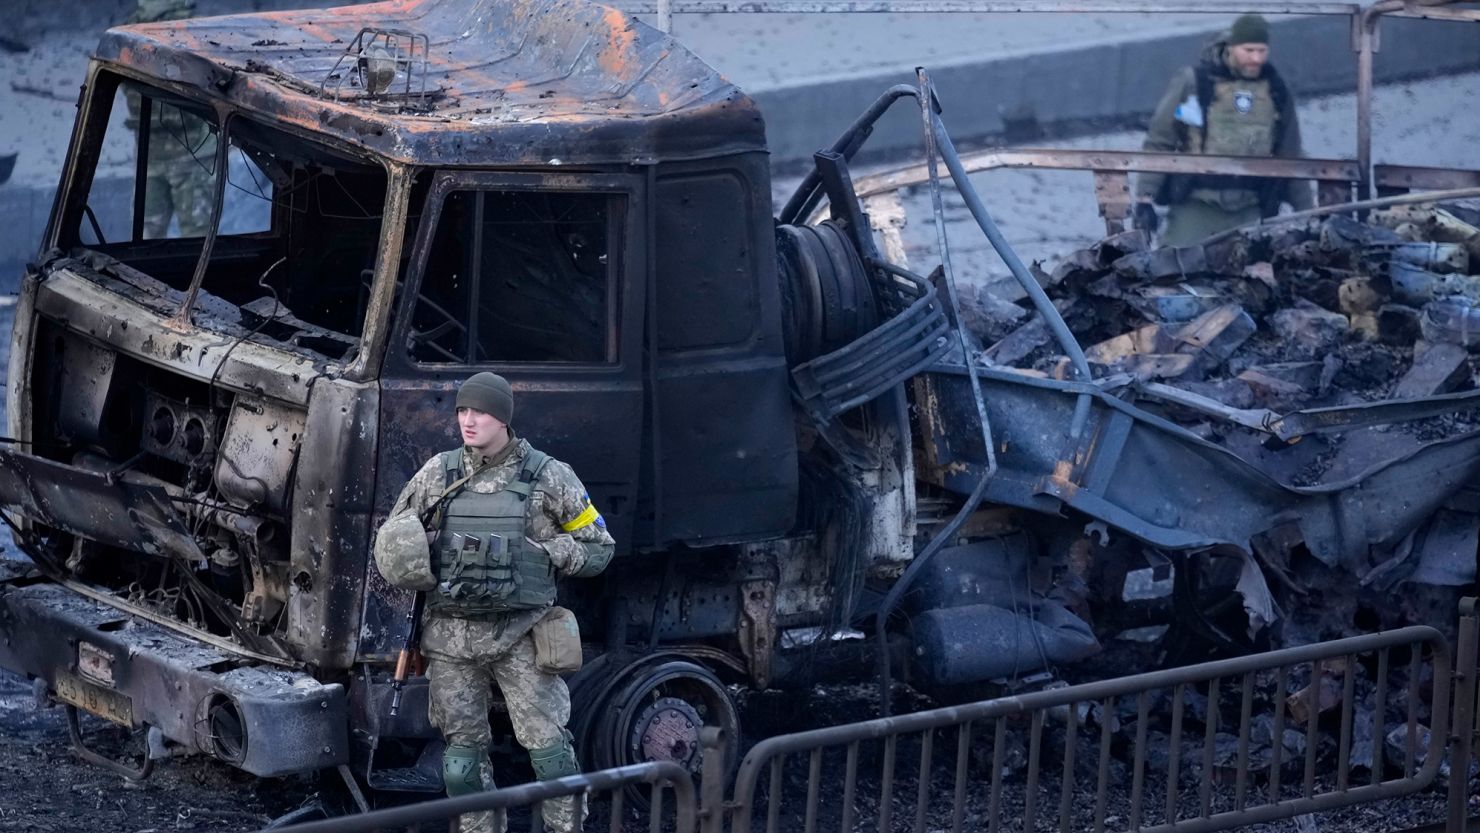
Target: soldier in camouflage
[1233,103]
[180,174]
[485,529]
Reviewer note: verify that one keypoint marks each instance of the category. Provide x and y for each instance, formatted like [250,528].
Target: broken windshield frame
[312,234]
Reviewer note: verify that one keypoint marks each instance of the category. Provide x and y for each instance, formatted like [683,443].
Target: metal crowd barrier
[898,755]
[608,784]
[1466,710]
[878,744]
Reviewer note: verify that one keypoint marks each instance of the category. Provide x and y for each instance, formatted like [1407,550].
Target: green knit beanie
[489,393]
[1251,28]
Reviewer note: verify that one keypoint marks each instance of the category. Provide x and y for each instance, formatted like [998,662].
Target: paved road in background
[757,52]
[1048,214]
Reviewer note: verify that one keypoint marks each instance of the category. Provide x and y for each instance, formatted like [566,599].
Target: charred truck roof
[241,341]
[500,83]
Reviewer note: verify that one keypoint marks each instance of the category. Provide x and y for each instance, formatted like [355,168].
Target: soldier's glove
[1144,218]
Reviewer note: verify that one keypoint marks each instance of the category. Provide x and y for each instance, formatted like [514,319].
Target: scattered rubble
[1339,312]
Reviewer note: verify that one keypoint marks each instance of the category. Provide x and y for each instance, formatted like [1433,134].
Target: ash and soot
[1227,338]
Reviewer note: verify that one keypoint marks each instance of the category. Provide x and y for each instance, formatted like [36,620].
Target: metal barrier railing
[883,761]
[659,776]
[1200,688]
[1466,710]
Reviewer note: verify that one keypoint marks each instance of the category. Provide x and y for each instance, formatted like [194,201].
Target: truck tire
[653,711]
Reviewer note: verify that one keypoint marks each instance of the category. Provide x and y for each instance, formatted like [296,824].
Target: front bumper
[263,719]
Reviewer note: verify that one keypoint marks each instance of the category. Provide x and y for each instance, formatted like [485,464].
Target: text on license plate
[109,705]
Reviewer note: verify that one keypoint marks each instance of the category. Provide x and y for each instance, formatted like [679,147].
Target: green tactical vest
[484,564]
[1240,119]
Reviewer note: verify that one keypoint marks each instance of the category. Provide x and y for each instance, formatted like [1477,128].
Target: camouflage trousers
[178,188]
[539,707]
[1190,223]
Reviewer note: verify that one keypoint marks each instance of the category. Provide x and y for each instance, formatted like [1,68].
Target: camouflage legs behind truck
[539,707]
[179,187]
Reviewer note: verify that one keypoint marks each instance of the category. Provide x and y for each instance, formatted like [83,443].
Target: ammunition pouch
[484,564]
[462,770]
[554,761]
[557,642]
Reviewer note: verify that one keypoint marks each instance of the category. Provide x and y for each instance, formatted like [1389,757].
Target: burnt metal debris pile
[1232,334]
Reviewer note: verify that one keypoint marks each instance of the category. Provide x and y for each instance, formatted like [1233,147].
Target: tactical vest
[1241,117]
[484,564]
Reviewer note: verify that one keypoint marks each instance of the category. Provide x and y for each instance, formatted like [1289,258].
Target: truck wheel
[654,712]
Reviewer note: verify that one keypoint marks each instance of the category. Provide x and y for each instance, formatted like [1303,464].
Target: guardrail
[1466,712]
[613,782]
[1195,777]
[882,742]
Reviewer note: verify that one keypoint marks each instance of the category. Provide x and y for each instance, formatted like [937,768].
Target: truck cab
[280,242]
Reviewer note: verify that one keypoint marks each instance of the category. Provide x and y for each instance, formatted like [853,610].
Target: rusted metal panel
[83,384]
[1107,161]
[1423,179]
[18,389]
[257,452]
[332,496]
[289,721]
[719,377]
[500,73]
[113,319]
[95,505]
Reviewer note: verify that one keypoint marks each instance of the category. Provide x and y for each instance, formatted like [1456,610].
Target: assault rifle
[408,650]
[430,519]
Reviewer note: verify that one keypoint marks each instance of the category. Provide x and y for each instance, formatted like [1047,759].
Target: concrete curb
[1099,82]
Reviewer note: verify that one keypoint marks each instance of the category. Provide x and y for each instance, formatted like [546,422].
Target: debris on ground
[1284,318]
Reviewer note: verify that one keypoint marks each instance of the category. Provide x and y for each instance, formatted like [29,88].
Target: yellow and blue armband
[588,516]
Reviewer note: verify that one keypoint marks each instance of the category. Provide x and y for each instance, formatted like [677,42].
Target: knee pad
[462,769]
[554,761]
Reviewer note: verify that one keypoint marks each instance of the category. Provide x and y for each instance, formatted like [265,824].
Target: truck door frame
[588,414]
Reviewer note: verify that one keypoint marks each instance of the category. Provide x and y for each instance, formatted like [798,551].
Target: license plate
[94,663]
[109,705]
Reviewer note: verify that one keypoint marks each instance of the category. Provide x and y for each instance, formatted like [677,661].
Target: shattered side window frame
[622,231]
[85,153]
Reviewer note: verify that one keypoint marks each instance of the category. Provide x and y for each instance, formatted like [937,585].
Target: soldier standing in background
[1233,103]
[485,529]
[182,149]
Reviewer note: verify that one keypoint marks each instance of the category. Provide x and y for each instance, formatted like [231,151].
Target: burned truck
[281,240]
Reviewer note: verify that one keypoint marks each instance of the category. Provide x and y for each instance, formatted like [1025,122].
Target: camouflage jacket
[1167,133]
[153,11]
[561,521]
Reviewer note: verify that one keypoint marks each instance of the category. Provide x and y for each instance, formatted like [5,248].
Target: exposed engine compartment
[224,460]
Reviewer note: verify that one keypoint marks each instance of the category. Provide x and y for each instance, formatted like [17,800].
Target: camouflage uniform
[152,11]
[180,175]
[467,656]
[1210,109]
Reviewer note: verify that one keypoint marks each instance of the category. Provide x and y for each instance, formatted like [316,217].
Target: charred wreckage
[794,438]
